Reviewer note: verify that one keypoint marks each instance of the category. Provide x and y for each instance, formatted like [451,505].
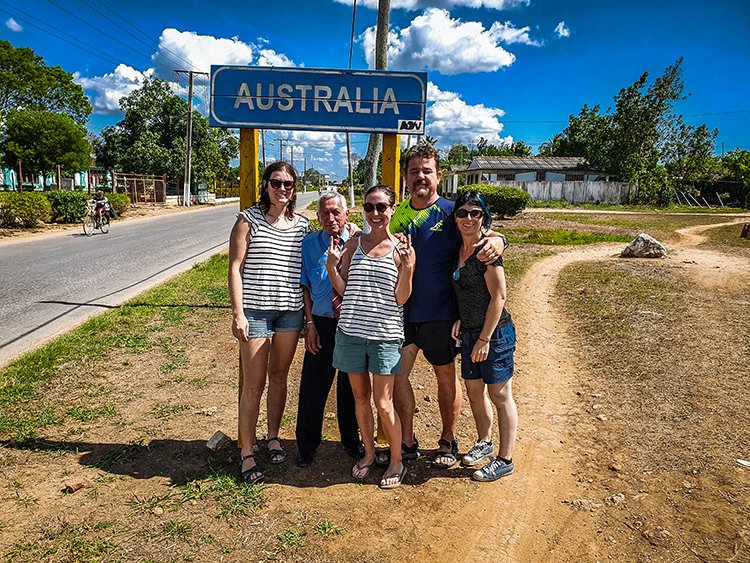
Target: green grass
[68,543]
[175,530]
[637,222]
[327,528]
[233,497]
[728,235]
[165,410]
[291,539]
[83,413]
[130,328]
[561,237]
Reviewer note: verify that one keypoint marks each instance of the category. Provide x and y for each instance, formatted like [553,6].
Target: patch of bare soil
[586,486]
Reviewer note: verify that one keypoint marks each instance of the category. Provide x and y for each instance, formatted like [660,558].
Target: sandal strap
[244,457]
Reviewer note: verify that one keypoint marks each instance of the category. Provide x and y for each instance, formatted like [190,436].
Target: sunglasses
[464,213]
[277,184]
[370,207]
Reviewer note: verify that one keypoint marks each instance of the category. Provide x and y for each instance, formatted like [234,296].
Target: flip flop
[360,471]
[397,483]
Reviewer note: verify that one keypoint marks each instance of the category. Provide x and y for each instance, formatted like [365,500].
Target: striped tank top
[369,309]
[271,272]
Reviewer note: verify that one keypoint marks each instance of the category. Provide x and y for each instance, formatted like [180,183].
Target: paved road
[51,283]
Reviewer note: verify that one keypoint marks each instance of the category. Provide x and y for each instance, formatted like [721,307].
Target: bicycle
[90,222]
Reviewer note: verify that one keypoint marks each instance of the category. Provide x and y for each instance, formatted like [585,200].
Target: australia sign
[318,99]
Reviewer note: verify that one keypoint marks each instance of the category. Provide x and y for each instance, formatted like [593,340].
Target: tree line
[641,139]
[43,114]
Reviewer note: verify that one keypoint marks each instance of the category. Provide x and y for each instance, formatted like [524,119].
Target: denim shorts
[353,354]
[263,324]
[498,367]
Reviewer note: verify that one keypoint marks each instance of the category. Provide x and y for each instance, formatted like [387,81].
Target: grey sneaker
[480,452]
[493,470]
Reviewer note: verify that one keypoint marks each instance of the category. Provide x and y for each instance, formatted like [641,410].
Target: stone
[73,484]
[614,500]
[615,467]
[218,441]
[644,246]
[745,231]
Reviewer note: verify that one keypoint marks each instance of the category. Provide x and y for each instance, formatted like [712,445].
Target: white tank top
[369,309]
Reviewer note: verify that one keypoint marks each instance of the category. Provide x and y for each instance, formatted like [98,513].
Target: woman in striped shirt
[265,259]
[373,272]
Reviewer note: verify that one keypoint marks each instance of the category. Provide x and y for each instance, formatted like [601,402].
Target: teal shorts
[353,354]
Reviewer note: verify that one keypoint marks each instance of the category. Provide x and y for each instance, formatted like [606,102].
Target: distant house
[544,178]
[492,169]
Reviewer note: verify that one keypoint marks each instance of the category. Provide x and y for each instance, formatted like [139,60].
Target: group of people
[428,275]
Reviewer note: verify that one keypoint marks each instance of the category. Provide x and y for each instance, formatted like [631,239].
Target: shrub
[67,207]
[504,201]
[25,209]
[119,202]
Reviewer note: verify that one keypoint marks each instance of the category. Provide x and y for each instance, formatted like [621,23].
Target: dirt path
[519,518]
[524,517]
[691,236]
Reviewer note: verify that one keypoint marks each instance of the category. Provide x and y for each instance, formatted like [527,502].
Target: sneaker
[480,452]
[493,470]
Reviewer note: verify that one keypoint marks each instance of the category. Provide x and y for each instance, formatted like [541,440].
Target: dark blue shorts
[498,367]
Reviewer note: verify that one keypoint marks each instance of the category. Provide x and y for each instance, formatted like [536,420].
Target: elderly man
[431,309]
[321,311]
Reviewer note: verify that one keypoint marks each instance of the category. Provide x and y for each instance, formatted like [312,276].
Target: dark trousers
[315,384]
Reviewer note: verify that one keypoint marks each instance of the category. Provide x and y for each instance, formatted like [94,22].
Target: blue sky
[500,69]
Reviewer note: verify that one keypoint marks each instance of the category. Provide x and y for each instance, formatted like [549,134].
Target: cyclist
[102,206]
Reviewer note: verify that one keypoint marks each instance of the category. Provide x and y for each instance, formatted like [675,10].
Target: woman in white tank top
[374,273]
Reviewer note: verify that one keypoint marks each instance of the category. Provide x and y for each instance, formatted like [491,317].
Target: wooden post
[249,181]
[391,175]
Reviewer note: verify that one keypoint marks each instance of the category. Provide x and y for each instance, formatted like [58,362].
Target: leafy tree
[689,156]
[737,166]
[638,139]
[27,83]
[150,139]
[41,140]
[458,154]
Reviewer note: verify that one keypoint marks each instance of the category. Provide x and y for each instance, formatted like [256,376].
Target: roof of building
[551,163]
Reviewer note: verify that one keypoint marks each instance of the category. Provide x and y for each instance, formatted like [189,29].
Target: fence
[142,188]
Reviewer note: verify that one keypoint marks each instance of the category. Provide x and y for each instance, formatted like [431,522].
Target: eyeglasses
[464,213]
[277,184]
[370,207]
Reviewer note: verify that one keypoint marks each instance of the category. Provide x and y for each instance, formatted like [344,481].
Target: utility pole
[188,136]
[281,149]
[375,146]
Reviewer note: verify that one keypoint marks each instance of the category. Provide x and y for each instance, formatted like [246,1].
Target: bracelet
[310,322]
[482,339]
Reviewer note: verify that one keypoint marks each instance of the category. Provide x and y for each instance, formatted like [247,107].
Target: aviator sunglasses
[276,184]
[464,213]
[370,207]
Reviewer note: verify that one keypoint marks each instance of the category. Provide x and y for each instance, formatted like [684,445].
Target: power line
[75,41]
[92,26]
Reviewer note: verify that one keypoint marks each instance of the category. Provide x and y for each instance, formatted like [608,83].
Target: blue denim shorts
[263,324]
[498,367]
[353,354]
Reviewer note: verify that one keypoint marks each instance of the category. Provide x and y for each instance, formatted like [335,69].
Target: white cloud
[13,25]
[451,120]
[440,43]
[179,50]
[508,33]
[187,49]
[421,4]
[561,30]
[108,89]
